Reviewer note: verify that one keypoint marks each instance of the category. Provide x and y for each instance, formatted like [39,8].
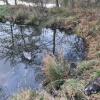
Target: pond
[22,50]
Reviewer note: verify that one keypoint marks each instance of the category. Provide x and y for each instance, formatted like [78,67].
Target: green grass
[96,74]
[74,88]
[4,10]
[24,95]
[55,69]
[98,54]
[73,84]
[85,65]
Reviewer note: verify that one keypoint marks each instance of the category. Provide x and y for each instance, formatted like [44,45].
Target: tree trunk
[15,2]
[72,3]
[6,1]
[65,3]
[57,3]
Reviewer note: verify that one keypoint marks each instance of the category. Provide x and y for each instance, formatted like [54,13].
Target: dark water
[22,50]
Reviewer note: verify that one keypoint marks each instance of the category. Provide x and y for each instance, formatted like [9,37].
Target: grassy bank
[18,14]
[71,88]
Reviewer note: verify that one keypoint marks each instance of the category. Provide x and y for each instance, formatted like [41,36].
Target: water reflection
[25,47]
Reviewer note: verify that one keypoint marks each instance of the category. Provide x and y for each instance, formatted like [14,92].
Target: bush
[60,11]
[96,74]
[98,54]
[73,88]
[85,66]
[33,20]
[21,16]
[73,85]
[57,10]
[2,19]
[55,70]
[4,10]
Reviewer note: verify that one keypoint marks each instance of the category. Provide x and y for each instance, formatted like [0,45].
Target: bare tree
[57,3]
[6,1]
[15,2]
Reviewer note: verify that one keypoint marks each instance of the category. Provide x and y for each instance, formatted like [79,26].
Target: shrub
[31,95]
[73,85]
[60,11]
[85,66]
[54,70]
[73,88]
[2,19]
[4,10]
[98,54]
[33,20]
[96,74]
[21,16]
[57,10]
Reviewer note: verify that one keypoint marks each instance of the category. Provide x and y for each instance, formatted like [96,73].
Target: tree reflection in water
[32,41]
